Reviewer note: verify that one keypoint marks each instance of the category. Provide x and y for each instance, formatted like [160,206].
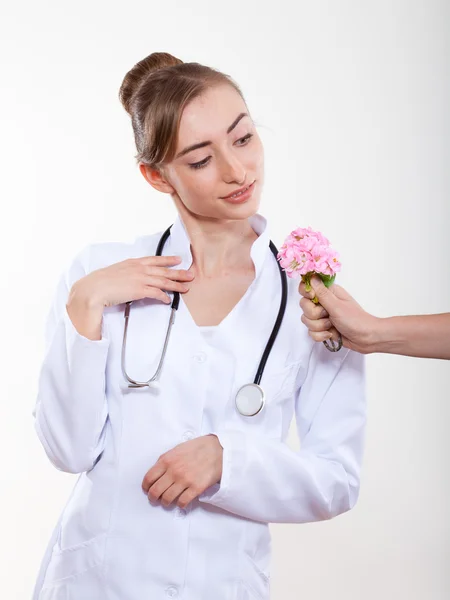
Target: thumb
[326,297]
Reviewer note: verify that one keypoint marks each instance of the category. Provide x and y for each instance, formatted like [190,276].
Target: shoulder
[103,254]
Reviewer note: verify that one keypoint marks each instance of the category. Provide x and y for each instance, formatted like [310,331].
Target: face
[218,153]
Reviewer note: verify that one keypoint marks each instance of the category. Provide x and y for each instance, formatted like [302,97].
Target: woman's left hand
[185,472]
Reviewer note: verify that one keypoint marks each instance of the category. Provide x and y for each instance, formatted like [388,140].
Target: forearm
[85,313]
[264,480]
[424,336]
[71,409]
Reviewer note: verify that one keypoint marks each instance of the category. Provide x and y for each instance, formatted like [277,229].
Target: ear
[156,179]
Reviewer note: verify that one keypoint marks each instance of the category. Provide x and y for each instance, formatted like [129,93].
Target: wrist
[85,313]
[377,335]
[83,299]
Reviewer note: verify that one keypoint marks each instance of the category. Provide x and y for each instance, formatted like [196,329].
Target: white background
[352,101]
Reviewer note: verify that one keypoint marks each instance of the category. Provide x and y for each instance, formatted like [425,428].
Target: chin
[242,211]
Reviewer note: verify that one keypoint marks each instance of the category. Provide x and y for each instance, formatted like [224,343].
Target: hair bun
[139,73]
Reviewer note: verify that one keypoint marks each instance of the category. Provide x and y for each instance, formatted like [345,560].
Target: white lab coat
[110,542]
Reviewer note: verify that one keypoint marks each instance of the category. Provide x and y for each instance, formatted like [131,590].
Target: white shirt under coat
[110,542]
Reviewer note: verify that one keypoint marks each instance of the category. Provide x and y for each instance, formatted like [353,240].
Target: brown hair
[155,92]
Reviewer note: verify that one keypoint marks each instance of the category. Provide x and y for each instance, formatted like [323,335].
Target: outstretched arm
[425,336]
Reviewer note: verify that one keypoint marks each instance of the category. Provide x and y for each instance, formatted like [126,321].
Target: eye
[200,164]
[245,139]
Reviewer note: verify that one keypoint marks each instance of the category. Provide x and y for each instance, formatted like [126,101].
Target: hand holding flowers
[306,252]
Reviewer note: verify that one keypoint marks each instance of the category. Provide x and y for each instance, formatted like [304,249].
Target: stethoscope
[250,398]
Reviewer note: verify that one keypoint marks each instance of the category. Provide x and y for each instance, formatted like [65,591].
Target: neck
[219,247]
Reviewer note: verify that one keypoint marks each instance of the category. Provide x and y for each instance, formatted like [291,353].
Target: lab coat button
[172,591]
[181,513]
[188,435]
[200,357]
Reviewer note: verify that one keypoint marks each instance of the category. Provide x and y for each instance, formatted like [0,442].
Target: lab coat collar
[180,243]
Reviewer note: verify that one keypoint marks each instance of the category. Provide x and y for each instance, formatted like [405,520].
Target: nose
[233,171]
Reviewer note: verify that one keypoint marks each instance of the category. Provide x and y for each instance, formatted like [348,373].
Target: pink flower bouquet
[307,252]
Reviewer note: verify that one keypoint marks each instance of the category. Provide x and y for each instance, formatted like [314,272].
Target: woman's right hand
[134,279]
[130,279]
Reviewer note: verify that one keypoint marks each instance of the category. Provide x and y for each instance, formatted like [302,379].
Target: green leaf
[328,280]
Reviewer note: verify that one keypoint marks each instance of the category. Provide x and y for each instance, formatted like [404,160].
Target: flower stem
[307,279]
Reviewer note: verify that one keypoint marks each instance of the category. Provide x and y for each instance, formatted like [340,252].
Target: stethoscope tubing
[174,307]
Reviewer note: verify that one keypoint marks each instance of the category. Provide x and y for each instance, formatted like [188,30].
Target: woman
[338,313]
[176,486]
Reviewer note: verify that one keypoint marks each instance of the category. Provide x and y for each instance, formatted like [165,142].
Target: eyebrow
[208,142]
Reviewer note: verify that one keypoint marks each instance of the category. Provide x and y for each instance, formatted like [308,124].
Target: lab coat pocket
[254,584]
[278,385]
[65,565]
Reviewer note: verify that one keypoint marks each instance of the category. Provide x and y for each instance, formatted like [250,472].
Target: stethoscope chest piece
[250,399]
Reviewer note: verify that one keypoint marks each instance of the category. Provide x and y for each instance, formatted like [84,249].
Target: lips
[237,192]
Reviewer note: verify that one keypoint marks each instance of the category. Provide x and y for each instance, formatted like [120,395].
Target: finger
[172,493]
[160,261]
[187,497]
[167,284]
[174,274]
[334,334]
[320,336]
[156,294]
[153,475]
[341,292]
[325,295]
[311,310]
[317,325]
[317,283]
[159,487]
[303,292]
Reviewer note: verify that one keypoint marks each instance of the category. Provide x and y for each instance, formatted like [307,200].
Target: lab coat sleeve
[264,480]
[70,412]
